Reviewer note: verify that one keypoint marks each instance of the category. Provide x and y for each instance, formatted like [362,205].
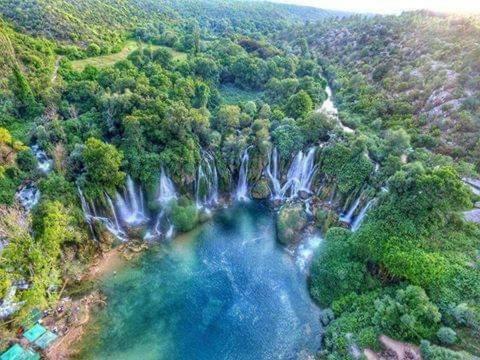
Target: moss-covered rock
[325,219]
[261,190]
[105,238]
[291,220]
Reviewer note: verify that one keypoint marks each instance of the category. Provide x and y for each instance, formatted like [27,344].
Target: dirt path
[393,349]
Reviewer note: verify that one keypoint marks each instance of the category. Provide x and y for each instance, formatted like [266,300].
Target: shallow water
[228,291]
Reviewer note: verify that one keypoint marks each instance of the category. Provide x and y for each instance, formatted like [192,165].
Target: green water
[228,291]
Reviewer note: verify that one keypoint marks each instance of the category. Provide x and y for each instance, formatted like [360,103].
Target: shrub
[446,335]
[184,217]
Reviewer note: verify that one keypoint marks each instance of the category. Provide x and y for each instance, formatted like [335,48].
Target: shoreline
[105,264]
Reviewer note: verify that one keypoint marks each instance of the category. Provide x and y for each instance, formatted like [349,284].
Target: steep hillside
[418,70]
[84,22]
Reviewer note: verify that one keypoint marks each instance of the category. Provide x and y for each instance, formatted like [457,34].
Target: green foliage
[316,126]
[446,336]
[102,168]
[336,272]
[288,138]
[433,352]
[299,105]
[349,166]
[409,315]
[290,221]
[185,216]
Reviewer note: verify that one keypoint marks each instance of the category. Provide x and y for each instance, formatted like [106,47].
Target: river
[225,291]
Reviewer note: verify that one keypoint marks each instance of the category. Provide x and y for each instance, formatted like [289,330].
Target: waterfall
[130,211]
[8,306]
[361,215]
[272,173]
[242,186]
[349,215]
[300,174]
[114,213]
[329,108]
[206,184]
[86,212]
[306,250]
[166,189]
[44,163]
[28,196]
[113,227]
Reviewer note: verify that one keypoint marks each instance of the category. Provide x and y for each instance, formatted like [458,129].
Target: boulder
[326,218]
[261,190]
[291,221]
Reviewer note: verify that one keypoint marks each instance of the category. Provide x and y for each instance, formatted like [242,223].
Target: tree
[228,118]
[299,105]
[316,126]
[102,168]
[288,138]
[408,315]
[397,142]
[447,336]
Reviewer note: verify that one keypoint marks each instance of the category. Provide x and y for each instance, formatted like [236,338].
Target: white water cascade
[44,163]
[206,184]
[131,205]
[272,173]
[348,216]
[28,196]
[166,190]
[300,174]
[242,186]
[306,251]
[329,108]
[361,215]
[8,306]
[90,215]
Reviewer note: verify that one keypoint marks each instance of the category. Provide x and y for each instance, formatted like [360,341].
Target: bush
[446,335]
[184,218]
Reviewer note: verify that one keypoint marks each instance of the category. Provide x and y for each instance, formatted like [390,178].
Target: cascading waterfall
[166,191]
[8,305]
[361,215]
[242,186]
[300,174]
[348,217]
[44,163]
[272,173]
[114,214]
[206,184]
[130,211]
[28,196]
[306,251]
[90,215]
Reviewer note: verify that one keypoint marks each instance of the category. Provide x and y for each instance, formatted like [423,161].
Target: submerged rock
[291,220]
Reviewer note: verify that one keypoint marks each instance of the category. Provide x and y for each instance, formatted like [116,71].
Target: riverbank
[70,318]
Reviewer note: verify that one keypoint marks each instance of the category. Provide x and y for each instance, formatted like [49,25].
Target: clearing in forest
[110,59]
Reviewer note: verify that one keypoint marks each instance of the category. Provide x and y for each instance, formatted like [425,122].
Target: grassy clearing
[110,59]
[232,94]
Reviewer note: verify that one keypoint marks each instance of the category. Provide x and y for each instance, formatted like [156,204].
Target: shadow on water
[228,291]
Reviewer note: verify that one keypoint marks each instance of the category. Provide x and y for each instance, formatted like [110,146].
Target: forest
[128,121]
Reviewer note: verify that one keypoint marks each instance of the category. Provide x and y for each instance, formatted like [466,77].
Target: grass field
[232,94]
[110,59]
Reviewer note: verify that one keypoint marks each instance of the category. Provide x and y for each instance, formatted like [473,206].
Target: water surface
[228,291]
